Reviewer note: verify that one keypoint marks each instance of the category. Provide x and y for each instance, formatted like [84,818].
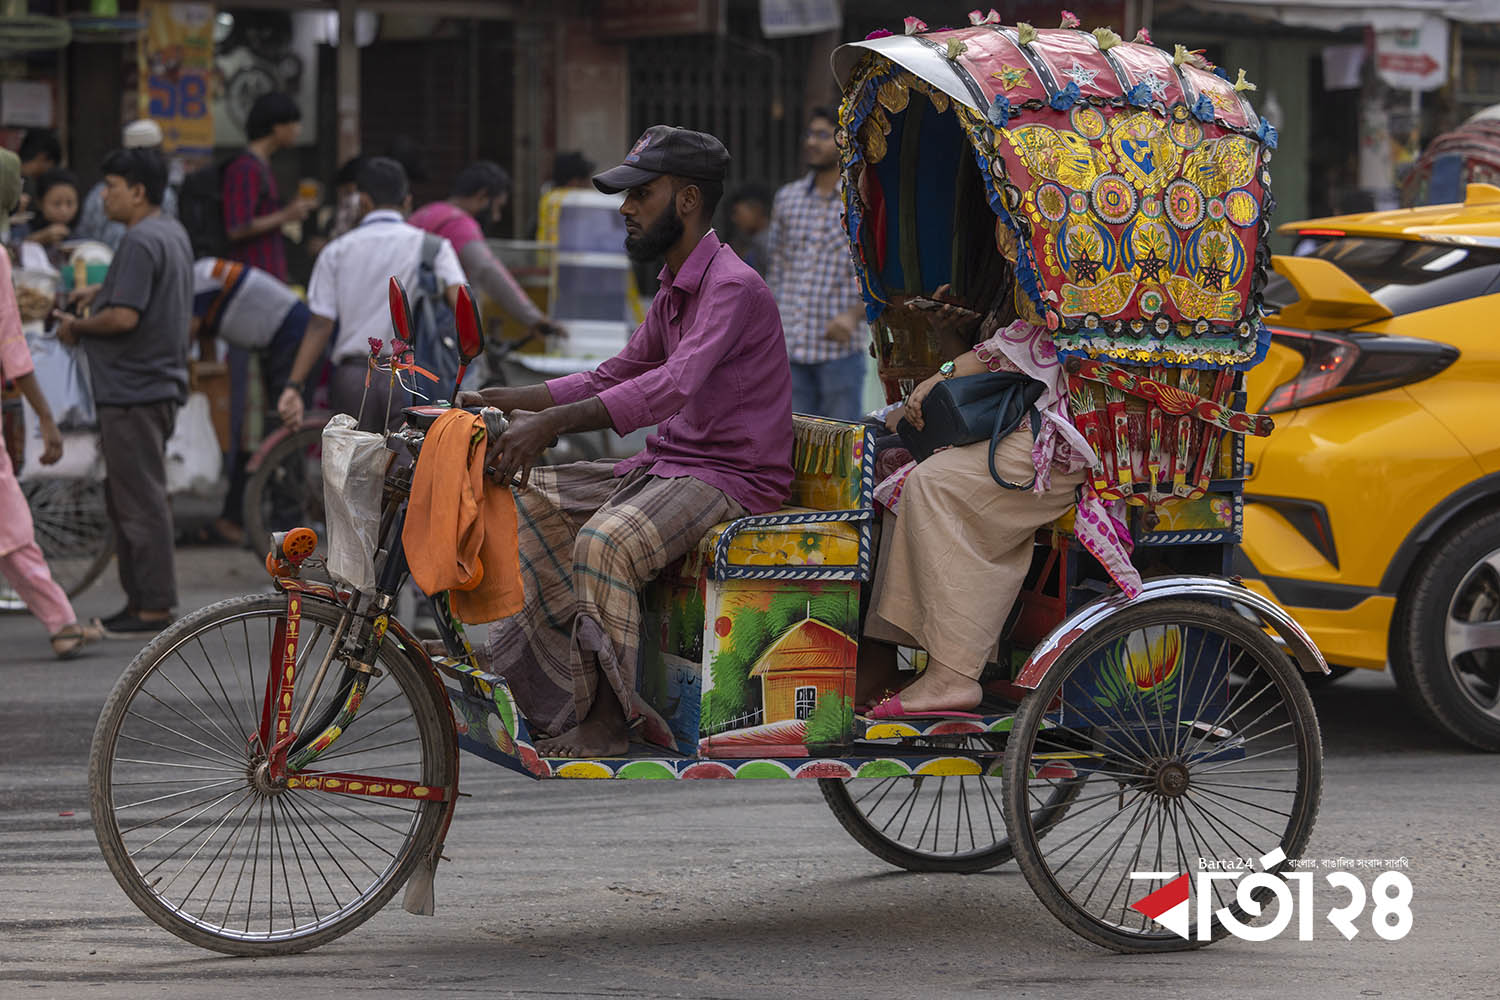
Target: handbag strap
[1001,432]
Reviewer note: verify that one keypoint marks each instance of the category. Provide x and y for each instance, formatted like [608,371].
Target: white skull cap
[141,134]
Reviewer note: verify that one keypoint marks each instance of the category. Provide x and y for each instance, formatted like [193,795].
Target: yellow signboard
[176,60]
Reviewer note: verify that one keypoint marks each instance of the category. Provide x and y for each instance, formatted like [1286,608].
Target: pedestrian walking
[480,192]
[812,278]
[21,560]
[253,210]
[136,340]
[348,287]
[93,222]
[253,312]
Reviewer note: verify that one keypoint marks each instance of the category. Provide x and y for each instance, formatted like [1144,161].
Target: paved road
[716,890]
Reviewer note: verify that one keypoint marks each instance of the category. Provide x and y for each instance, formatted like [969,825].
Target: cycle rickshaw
[272,769]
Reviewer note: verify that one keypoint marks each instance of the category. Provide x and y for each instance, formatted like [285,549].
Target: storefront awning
[1335,15]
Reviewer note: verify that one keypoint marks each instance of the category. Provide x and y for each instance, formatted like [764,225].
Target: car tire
[1445,643]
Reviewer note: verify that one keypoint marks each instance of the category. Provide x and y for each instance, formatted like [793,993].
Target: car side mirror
[470,327]
[401,320]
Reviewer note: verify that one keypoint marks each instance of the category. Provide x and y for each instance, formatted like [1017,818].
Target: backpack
[434,341]
[200,209]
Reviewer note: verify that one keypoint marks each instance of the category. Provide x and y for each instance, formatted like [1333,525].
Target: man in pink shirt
[480,191]
[709,368]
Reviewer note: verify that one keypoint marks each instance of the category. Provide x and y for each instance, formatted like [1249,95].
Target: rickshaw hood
[1132,184]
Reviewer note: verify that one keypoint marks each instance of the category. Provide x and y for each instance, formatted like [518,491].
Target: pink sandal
[892,709]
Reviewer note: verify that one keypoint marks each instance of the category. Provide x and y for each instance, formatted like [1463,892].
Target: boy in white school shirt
[348,286]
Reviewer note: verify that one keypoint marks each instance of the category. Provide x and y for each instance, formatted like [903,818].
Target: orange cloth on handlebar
[460,533]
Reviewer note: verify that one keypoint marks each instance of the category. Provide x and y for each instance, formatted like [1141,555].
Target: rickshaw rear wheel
[199,835]
[950,824]
[1194,738]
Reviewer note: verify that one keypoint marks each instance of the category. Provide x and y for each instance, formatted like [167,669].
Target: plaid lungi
[589,542]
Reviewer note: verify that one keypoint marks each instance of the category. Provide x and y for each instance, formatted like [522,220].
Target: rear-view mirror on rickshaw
[470,333]
[401,320]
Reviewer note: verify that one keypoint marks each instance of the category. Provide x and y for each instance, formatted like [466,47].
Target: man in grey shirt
[94,223]
[137,346]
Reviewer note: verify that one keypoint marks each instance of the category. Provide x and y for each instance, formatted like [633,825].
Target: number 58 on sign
[176,62]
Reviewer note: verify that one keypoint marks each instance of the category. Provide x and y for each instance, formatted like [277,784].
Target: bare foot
[587,739]
[602,733]
[940,689]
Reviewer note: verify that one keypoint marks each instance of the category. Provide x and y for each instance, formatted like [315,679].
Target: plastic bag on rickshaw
[353,473]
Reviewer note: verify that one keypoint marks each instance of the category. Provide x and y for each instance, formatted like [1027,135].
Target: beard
[657,238]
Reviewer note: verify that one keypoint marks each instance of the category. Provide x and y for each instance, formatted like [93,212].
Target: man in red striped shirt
[253,211]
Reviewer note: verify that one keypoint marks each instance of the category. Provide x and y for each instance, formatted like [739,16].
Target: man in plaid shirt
[812,277]
[253,211]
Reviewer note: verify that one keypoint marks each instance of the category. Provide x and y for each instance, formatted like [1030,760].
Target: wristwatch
[946,369]
[293,384]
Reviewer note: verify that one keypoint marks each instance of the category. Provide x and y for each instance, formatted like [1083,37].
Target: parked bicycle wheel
[193,828]
[286,490]
[1185,734]
[74,531]
[943,823]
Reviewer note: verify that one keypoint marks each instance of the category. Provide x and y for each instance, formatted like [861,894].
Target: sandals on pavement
[68,641]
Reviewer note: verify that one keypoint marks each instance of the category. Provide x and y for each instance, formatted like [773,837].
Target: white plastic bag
[193,456]
[62,374]
[354,464]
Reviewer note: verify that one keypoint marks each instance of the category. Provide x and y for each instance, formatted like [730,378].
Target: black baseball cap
[666,149]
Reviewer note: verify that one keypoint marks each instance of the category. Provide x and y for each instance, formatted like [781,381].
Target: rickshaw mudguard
[419,897]
[1199,588]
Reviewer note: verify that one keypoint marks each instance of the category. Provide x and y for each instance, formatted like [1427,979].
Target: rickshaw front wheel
[1186,738]
[205,840]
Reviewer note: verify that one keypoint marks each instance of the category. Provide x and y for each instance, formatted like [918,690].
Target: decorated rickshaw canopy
[1470,154]
[1128,186]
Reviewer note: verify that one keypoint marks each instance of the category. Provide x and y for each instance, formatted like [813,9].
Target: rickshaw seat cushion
[833,470]
[817,543]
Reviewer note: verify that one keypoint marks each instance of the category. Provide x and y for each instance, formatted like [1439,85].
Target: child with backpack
[348,287]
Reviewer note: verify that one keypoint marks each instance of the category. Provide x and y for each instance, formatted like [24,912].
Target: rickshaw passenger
[961,544]
[709,368]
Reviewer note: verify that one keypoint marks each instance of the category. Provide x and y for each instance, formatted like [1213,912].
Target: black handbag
[971,408]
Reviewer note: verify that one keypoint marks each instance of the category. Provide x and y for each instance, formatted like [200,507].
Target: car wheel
[1445,649]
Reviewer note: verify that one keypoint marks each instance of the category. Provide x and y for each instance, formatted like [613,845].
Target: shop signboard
[175,53]
[1414,58]
[618,19]
[781,18]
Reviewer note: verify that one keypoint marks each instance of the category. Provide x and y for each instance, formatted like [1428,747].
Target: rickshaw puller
[709,368]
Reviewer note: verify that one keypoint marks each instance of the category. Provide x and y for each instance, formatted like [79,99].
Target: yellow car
[1373,511]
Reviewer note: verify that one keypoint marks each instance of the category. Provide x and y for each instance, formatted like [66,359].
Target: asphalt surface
[717,889]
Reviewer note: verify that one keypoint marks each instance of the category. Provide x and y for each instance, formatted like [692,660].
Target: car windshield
[1405,276]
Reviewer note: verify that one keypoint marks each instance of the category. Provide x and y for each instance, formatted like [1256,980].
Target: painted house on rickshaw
[810,660]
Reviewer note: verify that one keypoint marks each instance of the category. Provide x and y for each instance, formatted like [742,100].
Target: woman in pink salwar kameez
[21,560]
